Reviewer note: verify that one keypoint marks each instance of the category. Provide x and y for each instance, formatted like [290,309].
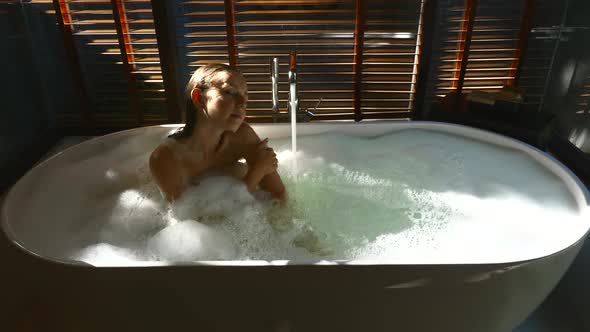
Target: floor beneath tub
[551,316]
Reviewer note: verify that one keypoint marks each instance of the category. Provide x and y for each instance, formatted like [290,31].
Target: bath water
[412,196]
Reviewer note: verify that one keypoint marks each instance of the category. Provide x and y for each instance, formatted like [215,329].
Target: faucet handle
[292,60]
[317,105]
[274,77]
[307,115]
[315,108]
[274,67]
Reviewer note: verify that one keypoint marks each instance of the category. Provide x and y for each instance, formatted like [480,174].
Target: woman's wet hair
[201,79]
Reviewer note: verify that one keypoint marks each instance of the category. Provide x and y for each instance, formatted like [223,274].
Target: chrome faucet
[293,95]
[293,104]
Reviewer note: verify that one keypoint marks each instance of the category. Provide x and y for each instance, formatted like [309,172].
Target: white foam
[412,197]
[106,254]
[424,197]
[214,196]
[190,240]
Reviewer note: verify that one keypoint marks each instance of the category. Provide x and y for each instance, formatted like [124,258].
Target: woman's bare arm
[270,182]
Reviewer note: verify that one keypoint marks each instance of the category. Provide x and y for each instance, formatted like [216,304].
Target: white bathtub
[280,295]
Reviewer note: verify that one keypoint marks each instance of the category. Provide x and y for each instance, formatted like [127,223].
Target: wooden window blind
[202,36]
[390,65]
[323,35]
[582,102]
[493,55]
[479,45]
[361,58]
[449,33]
[114,58]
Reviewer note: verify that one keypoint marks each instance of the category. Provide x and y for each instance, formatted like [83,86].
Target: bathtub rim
[276,264]
[426,125]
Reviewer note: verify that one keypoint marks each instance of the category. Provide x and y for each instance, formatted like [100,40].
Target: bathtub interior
[26,226]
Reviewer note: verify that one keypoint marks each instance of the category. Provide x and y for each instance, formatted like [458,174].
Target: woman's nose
[240,100]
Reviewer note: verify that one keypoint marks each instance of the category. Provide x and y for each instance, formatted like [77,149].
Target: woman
[215,137]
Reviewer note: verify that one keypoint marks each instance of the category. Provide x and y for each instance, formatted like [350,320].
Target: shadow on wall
[25,113]
[568,97]
[568,93]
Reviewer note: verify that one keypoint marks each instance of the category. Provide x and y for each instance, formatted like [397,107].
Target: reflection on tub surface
[413,196]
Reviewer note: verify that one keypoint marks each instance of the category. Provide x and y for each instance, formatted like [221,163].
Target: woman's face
[225,100]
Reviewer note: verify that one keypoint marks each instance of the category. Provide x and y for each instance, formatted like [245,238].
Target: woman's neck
[205,137]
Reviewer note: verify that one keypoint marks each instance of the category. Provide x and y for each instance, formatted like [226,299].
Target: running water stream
[294,136]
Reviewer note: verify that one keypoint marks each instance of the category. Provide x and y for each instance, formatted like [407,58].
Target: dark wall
[568,92]
[568,98]
[23,113]
[36,87]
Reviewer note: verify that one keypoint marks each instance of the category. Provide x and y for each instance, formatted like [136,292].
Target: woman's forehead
[223,78]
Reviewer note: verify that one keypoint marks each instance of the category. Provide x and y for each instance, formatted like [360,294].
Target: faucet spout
[293,94]
[294,112]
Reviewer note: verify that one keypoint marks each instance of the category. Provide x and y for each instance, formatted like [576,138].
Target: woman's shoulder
[167,171]
[171,148]
[246,134]
[162,156]
[165,149]
[168,153]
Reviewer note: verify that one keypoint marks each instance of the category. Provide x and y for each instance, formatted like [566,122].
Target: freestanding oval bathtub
[284,295]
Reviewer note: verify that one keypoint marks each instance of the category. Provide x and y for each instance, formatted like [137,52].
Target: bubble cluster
[409,197]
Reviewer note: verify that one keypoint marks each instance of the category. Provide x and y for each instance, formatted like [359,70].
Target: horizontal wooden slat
[95,34]
[323,38]
[322,34]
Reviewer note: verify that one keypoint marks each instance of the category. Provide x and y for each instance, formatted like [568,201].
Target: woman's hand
[261,162]
[264,158]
